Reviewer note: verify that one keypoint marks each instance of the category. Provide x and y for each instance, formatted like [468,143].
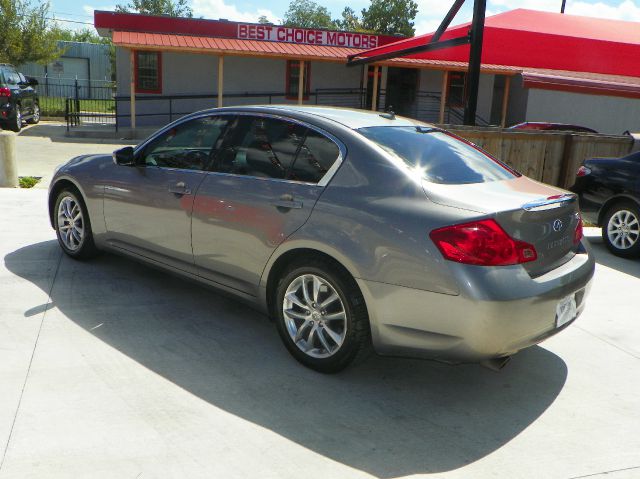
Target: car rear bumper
[498,312]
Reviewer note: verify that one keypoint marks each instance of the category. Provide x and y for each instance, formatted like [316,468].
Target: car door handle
[287,201]
[179,188]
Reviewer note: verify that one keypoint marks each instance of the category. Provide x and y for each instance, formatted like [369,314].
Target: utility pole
[564,4]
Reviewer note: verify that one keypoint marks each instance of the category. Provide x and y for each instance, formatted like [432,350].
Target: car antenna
[389,114]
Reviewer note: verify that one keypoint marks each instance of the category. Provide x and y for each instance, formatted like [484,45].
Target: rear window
[437,156]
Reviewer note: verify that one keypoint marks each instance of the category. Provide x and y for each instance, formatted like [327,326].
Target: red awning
[528,38]
[578,82]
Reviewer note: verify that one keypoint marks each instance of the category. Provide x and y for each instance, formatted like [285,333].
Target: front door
[402,84]
[148,207]
[263,188]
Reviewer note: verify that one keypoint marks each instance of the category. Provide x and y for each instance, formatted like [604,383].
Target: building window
[456,85]
[148,68]
[293,79]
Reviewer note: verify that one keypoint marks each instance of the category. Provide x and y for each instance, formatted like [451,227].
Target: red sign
[276,33]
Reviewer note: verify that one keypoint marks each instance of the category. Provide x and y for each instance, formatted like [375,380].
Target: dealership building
[536,66]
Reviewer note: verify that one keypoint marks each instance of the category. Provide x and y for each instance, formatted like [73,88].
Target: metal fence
[53,92]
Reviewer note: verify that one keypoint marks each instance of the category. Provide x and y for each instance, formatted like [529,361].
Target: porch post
[132,91]
[220,79]
[301,82]
[505,101]
[374,93]
[443,95]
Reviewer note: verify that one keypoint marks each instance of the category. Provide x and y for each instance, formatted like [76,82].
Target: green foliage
[350,21]
[390,17]
[28,181]
[178,8]
[307,14]
[26,35]
[263,19]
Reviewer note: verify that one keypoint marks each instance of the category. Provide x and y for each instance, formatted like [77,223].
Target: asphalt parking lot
[111,369]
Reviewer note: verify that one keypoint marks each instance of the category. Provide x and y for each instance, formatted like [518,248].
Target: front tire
[35,119]
[321,316]
[73,226]
[621,230]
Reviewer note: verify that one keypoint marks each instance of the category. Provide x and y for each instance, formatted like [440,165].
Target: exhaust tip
[495,364]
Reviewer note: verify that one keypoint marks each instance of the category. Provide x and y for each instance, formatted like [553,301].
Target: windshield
[437,156]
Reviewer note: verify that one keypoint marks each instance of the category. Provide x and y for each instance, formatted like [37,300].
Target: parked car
[18,99]
[609,192]
[546,126]
[347,227]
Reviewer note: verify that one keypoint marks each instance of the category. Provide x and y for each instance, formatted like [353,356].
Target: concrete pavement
[109,369]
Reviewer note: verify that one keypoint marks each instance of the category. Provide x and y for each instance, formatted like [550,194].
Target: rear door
[266,179]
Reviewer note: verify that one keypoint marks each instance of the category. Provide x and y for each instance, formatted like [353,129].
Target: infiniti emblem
[557,225]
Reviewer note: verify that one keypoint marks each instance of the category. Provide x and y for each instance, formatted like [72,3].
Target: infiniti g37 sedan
[352,230]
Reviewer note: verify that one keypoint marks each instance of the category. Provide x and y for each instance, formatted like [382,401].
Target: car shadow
[388,417]
[603,256]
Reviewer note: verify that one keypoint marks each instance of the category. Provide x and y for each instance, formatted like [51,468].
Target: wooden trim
[443,95]
[220,79]
[374,93]
[132,88]
[137,80]
[505,101]
[301,84]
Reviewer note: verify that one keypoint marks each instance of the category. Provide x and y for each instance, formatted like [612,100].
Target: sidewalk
[109,369]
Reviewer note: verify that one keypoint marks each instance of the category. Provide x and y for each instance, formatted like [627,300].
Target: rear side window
[259,146]
[317,154]
[436,156]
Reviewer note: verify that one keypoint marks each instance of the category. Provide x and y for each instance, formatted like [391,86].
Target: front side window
[436,156]
[148,72]
[293,79]
[186,146]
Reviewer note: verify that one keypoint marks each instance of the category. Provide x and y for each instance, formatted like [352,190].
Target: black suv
[18,98]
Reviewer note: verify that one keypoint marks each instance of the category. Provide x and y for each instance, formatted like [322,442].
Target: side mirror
[124,156]
[32,81]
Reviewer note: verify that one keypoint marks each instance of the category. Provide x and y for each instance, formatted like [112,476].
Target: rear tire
[16,123]
[325,328]
[73,226]
[621,230]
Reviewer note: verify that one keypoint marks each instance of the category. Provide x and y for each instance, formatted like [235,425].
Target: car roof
[349,117]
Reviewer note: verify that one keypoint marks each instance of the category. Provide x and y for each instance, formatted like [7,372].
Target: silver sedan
[354,231]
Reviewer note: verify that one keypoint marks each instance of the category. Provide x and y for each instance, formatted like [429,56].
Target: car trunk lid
[541,215]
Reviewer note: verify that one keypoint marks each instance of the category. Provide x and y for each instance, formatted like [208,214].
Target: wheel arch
[612,201]
[55,189]
[278,264]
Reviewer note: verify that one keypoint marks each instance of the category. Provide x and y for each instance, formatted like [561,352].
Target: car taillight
[578,233]
[583,171]
[482,243]
[5,92]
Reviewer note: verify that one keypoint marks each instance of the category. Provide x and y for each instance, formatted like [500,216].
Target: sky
[74,14]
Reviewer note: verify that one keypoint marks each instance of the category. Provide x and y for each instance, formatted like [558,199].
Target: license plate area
[566,310]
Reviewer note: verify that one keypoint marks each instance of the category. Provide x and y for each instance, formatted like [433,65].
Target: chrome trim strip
[549,203]
[324,181]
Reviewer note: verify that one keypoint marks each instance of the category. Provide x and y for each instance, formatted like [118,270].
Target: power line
[68,21]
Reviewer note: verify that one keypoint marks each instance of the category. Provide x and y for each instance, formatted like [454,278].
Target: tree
[26,34]
[350,21]
[178,8]
[263,20]
[390,17]
[307,14]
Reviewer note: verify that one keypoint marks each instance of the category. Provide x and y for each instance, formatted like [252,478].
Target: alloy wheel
[623,229]
[70,223]
[314,316]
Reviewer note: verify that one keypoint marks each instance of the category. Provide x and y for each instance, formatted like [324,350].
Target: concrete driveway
[109,369]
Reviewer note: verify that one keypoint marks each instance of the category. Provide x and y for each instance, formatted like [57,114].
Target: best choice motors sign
[274,33]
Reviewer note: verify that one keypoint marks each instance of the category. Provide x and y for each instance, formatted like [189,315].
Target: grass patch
[28,181]
[55,106]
